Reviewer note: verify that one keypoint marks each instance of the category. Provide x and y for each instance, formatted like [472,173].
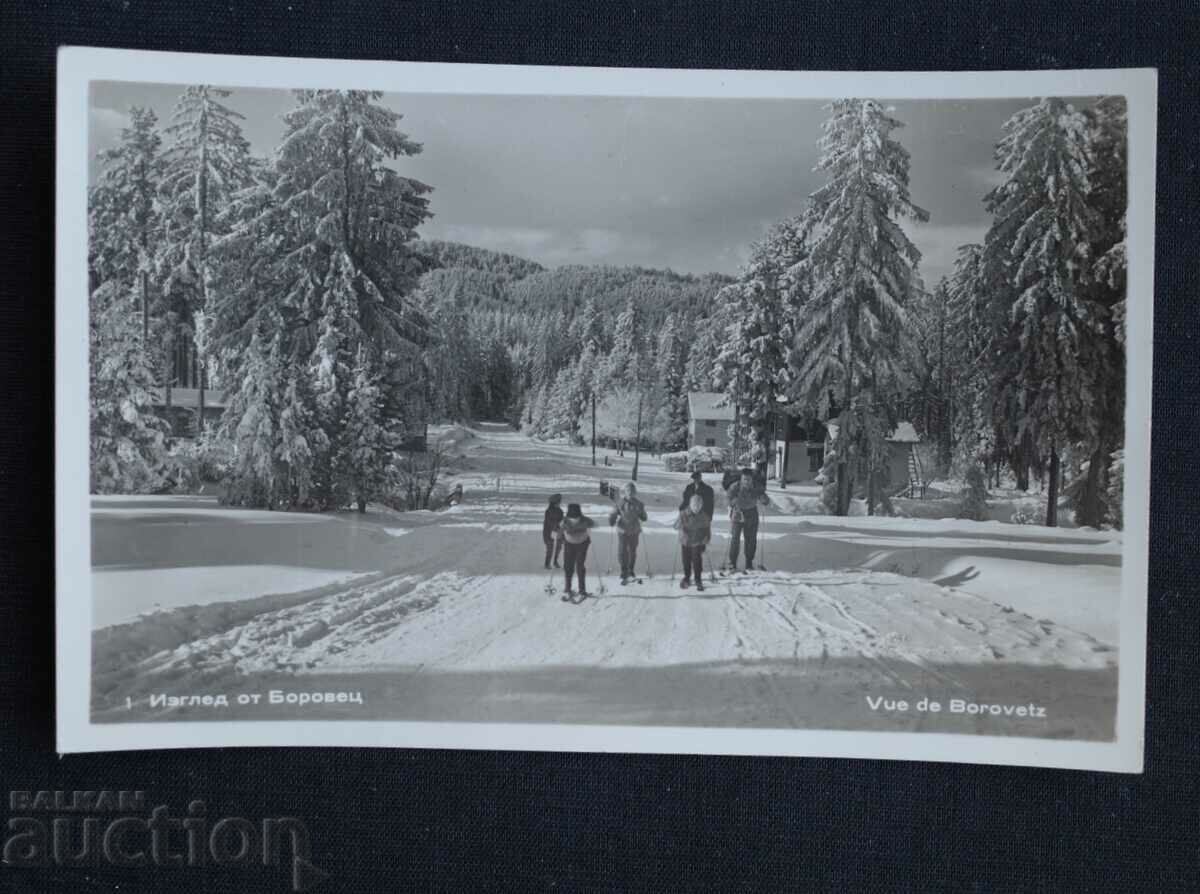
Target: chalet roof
[704,405]
[903,434]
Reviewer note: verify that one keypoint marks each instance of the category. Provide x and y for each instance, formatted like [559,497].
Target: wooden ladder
[916,489]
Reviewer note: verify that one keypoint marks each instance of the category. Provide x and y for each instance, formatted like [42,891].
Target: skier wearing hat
[628,516]
[551,535]
[745,496]
[695,532]
[575,527]
[704,491]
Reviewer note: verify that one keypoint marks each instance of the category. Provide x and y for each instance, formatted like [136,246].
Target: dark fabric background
[385,820]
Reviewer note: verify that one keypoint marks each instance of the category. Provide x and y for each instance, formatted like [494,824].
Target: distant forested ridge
[510,331]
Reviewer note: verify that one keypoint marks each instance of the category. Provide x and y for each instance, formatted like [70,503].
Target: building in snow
[799,443]
[709,416]
[180,403]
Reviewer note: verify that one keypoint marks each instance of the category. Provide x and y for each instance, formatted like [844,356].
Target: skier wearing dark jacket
[695,532]
[704,491]
[628,516]
[551,536]
[745,496]
[575,529]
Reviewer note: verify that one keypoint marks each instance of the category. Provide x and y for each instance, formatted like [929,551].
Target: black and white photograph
[639,410]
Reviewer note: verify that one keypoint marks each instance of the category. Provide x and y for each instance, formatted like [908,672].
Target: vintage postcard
[606,410]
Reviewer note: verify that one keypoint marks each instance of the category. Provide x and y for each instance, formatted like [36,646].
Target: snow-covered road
[451,620]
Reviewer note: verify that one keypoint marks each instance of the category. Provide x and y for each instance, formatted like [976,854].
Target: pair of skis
[572,596]
[730,572]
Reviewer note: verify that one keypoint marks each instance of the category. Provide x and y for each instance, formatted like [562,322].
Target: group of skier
[568,534]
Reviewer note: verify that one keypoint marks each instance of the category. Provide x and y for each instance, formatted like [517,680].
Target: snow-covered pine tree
[539,400]
[708,334]
[672,371]
[860,273]
[332,373]
[449,353]
[207,162]
[762,311]
[588,331]
[730,369]
[334,177]
[564,406]
[974,495]
[324,235]
[1108,139]
[252,420]
[300,438]
[368,444]
[1050,389]
[628,343]
[828,480]
[973,321]
[590,379]
[1116,490]
[587,327]
[552,347]
[930,351]
[253,347]
[127,438]
[494,378]
[124,217]
[1109,180]
[630,368]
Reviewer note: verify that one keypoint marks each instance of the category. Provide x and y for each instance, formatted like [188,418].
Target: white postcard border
[78,66]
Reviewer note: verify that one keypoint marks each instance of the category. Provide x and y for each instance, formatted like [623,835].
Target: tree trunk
[870,483]
[737,431]
[169,367]
[200,415]
[593,429]
[202,196]
[637,444]
[145,314]
[1052,498]
[843,468]
[787,445]
[1090,509]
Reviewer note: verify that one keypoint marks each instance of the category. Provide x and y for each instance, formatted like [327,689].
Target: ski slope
[445,616]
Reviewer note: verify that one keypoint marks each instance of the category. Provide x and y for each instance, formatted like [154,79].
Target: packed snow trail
[451,620]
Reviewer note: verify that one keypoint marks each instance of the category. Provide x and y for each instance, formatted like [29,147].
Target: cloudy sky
[679,183]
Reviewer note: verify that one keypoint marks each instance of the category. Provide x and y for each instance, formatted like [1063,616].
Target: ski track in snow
[506,622]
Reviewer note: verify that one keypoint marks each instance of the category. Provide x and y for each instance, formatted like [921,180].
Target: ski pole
[762,551]
[600,574]
[761,537]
